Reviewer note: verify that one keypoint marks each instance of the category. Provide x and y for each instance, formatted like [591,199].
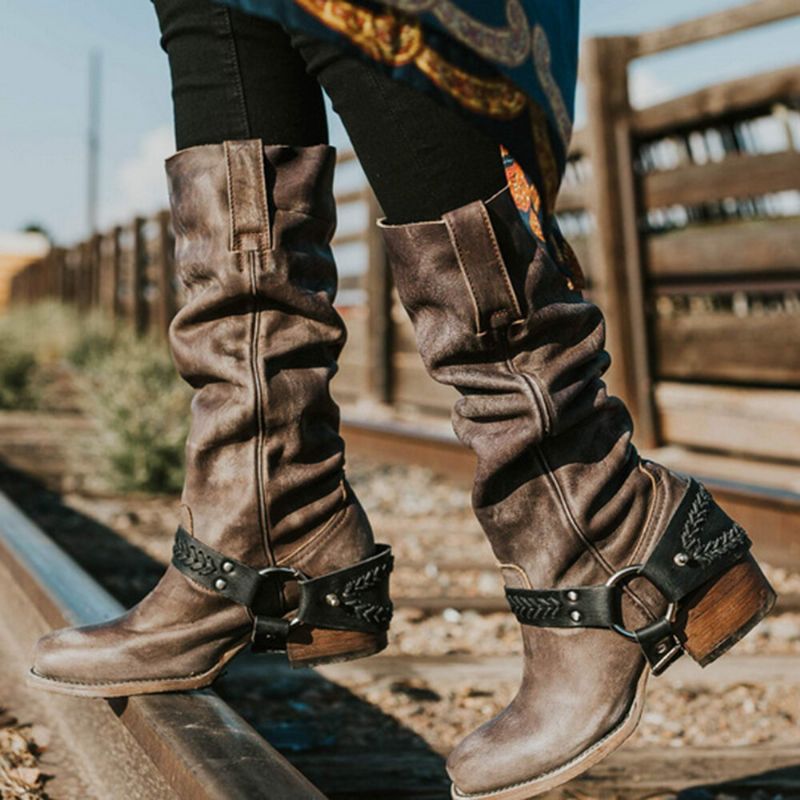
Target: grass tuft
[127,385]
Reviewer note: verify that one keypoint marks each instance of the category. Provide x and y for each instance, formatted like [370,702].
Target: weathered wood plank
[413,385]
[573,198]
[444,454]
[352,237]
[352,196]
[605,63]
[735,176]
[720,23]
[579,143]
[762,476]
[345,156]
[379,329]
[757,422]
[722,346]
[708,105]
[729,249]
[583,248]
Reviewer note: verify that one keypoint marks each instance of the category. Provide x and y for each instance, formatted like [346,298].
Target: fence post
[617,283]
[109,255]
[94,270]
[138,270]
[82,277]
[165,272]
[380,330]
[59,276]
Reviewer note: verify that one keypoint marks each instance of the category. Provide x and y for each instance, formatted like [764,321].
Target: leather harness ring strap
[700,542]
[355,598]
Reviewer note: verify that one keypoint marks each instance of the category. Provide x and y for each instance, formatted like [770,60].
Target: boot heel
[308,647]
[721,612]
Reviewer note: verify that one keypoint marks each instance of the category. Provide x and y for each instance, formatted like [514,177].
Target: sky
[44,55]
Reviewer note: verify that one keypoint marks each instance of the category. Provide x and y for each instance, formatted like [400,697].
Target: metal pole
[93,141]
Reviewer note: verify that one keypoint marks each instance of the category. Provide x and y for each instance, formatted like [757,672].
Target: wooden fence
[127,272]
[686,225]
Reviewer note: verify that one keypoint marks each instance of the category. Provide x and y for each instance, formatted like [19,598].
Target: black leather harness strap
[700,542]
[355,598]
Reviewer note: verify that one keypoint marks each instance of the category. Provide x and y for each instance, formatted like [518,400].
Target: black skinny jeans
[235,76]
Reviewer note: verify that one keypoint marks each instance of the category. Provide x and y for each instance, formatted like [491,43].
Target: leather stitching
[500,262]
[470,288]
[233,243]
[375,613]
[260,465]
[523,574]
[336,521]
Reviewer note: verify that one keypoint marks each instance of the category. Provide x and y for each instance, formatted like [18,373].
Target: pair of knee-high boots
[613,565]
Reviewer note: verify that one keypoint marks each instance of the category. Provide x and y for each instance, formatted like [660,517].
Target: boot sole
[134,687]
[712,619]
[308,647]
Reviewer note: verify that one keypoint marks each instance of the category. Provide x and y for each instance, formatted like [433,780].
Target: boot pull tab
[247,196]
[475,244]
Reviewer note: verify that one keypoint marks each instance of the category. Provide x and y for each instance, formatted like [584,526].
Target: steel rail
[190,745]
[771,516]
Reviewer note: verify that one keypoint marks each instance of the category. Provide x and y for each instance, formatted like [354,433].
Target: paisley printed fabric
[509,64]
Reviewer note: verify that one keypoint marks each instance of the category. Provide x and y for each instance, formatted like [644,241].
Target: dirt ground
[47,469]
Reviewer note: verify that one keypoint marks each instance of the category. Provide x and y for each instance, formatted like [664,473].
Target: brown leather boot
[613,565]
[275,549]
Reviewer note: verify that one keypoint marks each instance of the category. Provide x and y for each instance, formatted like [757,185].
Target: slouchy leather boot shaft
[559,489]
[258,339]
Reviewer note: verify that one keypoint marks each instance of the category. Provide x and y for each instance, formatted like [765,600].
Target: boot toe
[486,760]
[62,655]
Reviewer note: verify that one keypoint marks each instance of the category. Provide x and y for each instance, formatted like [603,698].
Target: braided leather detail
[695,520]
[376,613]
[730,539]
[193,558]
[527,608]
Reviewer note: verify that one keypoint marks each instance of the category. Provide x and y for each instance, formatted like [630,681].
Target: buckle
[621,578]
[285,575]
[657,639]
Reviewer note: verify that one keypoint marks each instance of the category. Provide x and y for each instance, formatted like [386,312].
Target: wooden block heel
[720,613]
[308,647]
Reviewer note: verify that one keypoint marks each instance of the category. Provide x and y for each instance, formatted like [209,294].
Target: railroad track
[326,722]
[140,748]
[769,510]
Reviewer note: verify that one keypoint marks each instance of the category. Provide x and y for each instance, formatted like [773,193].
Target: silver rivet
[572,595]
[661,649]
[227,566]
[220,583]
[575,616]
[681,559]
[332,599]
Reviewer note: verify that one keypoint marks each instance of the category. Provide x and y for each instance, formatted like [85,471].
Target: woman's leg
[421,158]
[235,76]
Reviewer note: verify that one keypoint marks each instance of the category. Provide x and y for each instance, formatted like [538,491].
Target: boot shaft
[558,489]
[258,339]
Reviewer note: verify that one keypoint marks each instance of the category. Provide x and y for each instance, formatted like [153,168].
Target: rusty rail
[189,745]
[771,513]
